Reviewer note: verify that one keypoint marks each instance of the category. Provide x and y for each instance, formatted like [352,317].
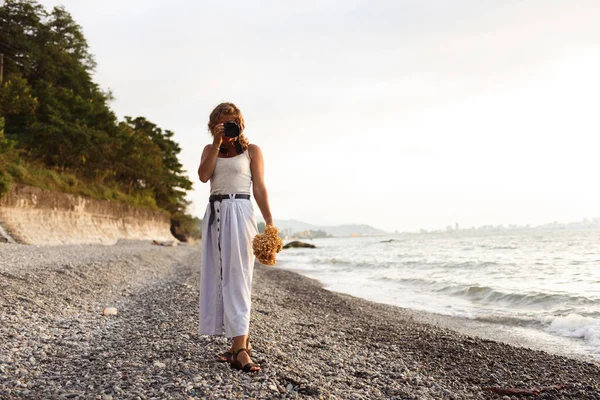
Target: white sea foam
[578,326]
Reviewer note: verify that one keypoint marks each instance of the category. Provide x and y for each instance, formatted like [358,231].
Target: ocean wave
[399,264]
[406,281]
[439,277]
[489,295]
[332,261]
[498,247]
[577,326]
[571,325]
[511,320]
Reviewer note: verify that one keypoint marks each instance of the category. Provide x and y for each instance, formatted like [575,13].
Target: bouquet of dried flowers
[267,244]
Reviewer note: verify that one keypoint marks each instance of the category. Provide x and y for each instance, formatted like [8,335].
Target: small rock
[289,387]
[273,388]
[159,364]
[296,244]
[109,311]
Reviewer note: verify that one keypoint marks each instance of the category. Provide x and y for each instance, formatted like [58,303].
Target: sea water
[545,281]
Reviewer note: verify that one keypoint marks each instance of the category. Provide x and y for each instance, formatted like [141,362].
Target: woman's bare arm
[209,154]
[208,162]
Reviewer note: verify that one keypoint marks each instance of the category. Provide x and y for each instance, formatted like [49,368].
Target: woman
[233,166]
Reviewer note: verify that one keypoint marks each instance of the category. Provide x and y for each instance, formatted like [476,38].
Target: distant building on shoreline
[585,224]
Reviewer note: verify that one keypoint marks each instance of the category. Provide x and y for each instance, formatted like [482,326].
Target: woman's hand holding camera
[218,133]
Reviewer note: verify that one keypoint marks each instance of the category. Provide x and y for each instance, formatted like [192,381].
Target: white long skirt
[227,266]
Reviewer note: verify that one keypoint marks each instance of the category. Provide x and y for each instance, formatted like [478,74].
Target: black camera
[232,129]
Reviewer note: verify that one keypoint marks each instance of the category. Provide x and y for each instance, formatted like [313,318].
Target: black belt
[220,197]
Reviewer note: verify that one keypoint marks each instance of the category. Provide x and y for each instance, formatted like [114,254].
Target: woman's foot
[225,357]
[228,355]
[241,361]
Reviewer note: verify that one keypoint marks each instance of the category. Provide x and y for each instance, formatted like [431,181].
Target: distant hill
[337,230]
[350,229]
[294,225]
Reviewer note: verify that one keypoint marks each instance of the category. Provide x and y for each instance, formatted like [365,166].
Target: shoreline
[527,338]
[450,364]
[482,291]
[524,337]
[310,342]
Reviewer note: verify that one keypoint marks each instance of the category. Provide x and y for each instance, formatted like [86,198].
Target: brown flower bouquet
[266,245]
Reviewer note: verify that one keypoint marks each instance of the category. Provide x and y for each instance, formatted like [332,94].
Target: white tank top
[232,175]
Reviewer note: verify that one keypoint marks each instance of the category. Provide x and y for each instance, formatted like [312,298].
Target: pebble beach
[120,322]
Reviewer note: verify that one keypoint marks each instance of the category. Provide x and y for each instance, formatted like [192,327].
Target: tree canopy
[54,114]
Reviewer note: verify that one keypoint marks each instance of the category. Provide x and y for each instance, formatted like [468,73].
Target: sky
[404,115]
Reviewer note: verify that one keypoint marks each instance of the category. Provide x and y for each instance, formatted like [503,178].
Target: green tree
[6,154]
[6,145]
[17,102]
[136,159]
[16,97]
[50,51]
[171,182]
[20,24]
[56,115]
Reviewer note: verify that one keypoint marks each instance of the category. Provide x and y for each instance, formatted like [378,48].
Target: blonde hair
[229,109]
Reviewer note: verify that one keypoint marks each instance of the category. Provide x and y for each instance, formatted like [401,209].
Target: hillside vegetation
[57,130]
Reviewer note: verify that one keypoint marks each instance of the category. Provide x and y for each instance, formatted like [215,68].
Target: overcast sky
[400,114]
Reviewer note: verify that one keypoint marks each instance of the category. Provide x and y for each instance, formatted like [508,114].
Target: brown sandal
[236,364]
[228,356]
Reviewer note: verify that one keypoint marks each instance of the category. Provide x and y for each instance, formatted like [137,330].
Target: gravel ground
[55,342]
